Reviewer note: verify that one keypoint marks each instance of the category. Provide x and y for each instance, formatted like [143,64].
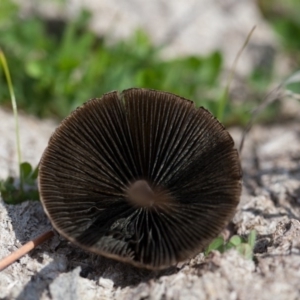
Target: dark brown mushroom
[140,176]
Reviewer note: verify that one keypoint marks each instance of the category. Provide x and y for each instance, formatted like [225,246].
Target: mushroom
[140,176]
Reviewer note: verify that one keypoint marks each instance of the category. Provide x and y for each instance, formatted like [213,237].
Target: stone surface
[269,204]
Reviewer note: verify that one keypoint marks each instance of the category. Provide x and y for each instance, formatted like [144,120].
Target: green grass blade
[15,110]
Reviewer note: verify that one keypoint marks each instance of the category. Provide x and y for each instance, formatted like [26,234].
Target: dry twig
[7,261]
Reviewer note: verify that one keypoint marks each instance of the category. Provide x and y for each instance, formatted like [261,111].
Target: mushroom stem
[5,262]
[141,194]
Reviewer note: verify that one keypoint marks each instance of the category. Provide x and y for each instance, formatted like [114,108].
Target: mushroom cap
[140,176]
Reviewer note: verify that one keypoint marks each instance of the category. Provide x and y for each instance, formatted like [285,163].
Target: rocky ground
[270,202]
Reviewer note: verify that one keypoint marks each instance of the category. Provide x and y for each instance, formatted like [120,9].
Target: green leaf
[35,173]
[233,242]
[33,69]
[216,244]
[252,238]
[26,169]
[245,250]
[236,240]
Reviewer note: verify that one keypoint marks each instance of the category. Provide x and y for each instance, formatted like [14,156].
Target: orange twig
[6,261]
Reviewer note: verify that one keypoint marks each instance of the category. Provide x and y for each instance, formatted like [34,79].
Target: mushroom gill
[142,176]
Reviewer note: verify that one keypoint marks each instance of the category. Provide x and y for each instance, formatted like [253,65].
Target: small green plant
[57,71]
[244,246]
[54,72]
[284,17]
[12,190]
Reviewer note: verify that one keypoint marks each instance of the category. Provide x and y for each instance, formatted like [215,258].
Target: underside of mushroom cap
[142,176]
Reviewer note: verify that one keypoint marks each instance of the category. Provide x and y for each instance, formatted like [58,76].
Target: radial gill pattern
[140,176]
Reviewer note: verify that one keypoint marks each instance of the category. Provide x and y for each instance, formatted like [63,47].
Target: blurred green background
[54,71]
